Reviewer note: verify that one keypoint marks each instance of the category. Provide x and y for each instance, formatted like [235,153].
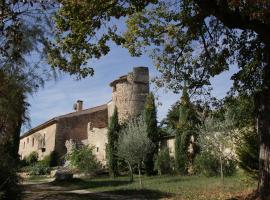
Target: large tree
[190,40]
[150,117]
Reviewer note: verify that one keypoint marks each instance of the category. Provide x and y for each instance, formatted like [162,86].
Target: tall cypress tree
[186,128]
[113,131]
[150,117]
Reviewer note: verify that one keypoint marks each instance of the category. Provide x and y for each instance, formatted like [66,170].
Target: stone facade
[41,141]
[130,92]
[89,126]
[169,142]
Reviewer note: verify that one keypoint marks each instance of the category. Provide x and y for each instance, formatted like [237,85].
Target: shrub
[248,153]
[39,169]
[50,160]
[32,158]
[208,165]
[163,162]
[84,159]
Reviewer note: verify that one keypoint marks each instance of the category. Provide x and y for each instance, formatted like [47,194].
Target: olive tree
[216,138]
[134,145]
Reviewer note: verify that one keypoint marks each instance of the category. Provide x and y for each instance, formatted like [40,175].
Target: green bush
[39,169]
[84,160]
[163,162]
[32,158]
[248,153]
[208,165]
[50,160]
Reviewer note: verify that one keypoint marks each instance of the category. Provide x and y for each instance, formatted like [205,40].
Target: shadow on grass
[116,194]
[82,184]
[140,194]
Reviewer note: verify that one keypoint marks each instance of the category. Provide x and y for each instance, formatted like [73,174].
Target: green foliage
[180,156]
[150,117]
[172,118]
[50,160]
[248,153]
[113,132]
[79,39]
[188,120]
[134,144]
[84,159]
[217,139]
[163,162]
[207,164]
[39,168]
[32,158]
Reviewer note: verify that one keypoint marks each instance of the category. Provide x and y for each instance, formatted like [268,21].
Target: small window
[27,140]
[44,140]
[23,144]
[97,149]
[33,142]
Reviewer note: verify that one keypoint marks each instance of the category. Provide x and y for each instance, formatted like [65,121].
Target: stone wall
[170,143]
[130,92]
[33,142]
[76,128]
[98,139]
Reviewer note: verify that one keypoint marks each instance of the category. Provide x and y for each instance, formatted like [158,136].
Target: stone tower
[130,92]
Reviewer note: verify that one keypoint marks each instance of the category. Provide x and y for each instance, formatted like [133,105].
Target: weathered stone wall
[97,137]
[130,92]
[170,143]
[110,106]
[76,128]
[32,142]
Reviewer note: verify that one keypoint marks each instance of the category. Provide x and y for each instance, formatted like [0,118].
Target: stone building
[89,126]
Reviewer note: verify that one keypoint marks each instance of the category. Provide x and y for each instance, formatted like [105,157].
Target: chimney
[78,106]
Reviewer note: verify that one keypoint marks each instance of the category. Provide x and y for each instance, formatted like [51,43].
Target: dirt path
[47,191]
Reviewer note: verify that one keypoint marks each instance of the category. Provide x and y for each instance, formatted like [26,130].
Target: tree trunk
[262,100]
[140,176]
[130,172]
[221,170]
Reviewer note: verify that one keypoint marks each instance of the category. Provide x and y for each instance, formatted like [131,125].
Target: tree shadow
[116,195]
[140,193]
[83,184]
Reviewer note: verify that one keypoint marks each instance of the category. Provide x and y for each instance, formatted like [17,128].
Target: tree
[134,145]
[217,138]
[150,117]
[84,159]
[190,40]
[12,114]
[203,39]
[163,162]
[113,133]
[241,110]
[186,136]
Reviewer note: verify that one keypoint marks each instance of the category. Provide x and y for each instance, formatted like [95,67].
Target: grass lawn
[175,187]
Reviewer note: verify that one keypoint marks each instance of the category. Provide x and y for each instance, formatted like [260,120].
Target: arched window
[33,142]
[27,140]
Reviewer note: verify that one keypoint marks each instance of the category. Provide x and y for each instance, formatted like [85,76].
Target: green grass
[178,187]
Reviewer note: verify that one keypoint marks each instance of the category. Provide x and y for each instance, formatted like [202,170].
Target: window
[33,142]
[97,149]
[27,140]
[24,144]
[44,140]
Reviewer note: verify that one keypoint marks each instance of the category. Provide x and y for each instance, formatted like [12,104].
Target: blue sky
[58,97]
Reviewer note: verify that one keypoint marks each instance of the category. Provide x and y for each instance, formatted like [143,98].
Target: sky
[58,97]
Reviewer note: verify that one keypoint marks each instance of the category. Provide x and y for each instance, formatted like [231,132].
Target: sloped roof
[73,114]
